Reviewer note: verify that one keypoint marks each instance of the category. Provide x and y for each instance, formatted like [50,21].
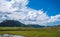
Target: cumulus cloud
[54,18]
[17,10]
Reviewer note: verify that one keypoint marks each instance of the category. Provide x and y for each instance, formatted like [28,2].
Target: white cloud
[54,18]
[5,6]
[17,10]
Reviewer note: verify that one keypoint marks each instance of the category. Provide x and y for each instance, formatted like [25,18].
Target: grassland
[31,32]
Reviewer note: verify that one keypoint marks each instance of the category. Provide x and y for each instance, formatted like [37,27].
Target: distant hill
[11,23]
[34,25]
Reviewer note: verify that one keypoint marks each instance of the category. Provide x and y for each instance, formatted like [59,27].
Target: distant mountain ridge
[34,25]
[13,23]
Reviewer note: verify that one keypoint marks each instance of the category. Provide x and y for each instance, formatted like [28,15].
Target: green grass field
[31,32]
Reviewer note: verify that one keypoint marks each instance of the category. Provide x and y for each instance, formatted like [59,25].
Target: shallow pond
[7,35]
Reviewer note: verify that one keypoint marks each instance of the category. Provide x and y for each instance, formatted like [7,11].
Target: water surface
[7,35]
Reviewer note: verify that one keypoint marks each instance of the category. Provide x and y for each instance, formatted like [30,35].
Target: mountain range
[13,23]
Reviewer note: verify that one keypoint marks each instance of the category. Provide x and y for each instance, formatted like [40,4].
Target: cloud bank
[17,10]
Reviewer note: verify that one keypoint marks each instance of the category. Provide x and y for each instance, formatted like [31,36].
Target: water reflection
[7,35]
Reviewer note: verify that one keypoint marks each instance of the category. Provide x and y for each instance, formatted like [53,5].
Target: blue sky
[38,12]
[51,6]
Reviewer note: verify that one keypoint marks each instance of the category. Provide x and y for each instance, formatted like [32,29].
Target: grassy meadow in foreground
[32,32]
